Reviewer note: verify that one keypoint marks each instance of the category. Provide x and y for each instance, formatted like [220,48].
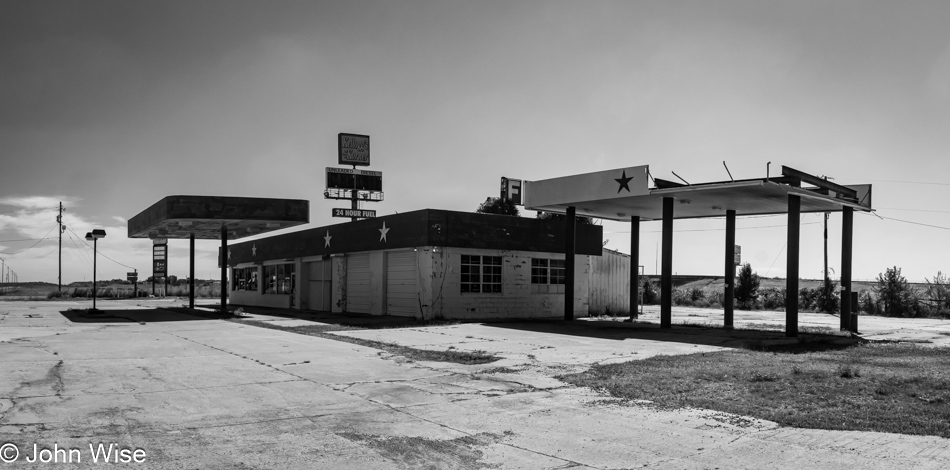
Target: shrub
[650,294]
[868,304]
[773,298]
[896,297]
[747,286]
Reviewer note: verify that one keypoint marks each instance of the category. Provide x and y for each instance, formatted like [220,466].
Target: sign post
[133,277]
[159,259]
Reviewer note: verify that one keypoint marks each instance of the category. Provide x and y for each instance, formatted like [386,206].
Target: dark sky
[111,105]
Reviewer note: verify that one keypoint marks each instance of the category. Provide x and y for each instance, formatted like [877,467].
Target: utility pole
[59,220]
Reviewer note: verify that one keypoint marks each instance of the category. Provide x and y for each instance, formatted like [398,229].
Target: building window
[481,274]
[279,278]
[244,279]
[547,275]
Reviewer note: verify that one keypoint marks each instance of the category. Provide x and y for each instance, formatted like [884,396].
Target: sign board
[159,241]
[159,261]
[602,185]
[349,179]
[511,190]
[738,256]
[132,277]
[353,149]
[359,213]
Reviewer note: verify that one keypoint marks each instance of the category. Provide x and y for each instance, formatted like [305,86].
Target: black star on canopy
[624,182]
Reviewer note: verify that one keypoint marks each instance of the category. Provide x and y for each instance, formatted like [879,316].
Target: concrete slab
[202,393]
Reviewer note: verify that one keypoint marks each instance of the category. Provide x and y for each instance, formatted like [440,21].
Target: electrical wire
[31,246]
[25,240]
[914,223]
[84,242]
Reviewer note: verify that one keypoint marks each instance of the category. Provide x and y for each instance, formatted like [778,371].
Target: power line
[103,254]
[25,240]
[908,182]
[914,210]
[915,223]
[31,246]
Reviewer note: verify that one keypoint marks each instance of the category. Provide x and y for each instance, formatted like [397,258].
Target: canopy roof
[622,193]
[203,216]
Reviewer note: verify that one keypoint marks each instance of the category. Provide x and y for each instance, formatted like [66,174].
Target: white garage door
[402,293]
[357,283]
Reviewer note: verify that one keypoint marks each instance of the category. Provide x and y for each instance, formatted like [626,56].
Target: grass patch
[897,388]
[415,354]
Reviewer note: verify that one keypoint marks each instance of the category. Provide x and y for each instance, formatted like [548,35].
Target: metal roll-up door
[402,293]
[357,283]
[318,292]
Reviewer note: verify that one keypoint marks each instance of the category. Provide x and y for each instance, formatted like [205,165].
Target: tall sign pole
[59,220]
[355,205]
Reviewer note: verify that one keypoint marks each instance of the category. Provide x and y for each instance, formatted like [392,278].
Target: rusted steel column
[728,295]
[791,275]
[634,265]
[570,223]
[666,275]
[847,231]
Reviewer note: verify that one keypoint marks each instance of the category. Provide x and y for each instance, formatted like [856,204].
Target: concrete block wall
[515,300]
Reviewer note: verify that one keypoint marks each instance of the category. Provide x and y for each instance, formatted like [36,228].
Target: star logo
[254,249]
[382,233]
[327,240]
[624,182]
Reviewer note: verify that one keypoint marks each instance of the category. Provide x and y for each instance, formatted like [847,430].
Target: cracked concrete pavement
[195,392]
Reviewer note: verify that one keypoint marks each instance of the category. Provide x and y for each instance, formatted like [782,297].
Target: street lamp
[94,236]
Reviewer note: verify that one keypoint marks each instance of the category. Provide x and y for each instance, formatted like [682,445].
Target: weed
[757,376]
[848,371]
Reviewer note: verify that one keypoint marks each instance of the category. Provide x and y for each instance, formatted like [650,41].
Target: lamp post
[94,236]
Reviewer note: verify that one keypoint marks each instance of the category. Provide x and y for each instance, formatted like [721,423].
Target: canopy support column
[666,276]
[570,223]
[634,266]
[224,269]
[791,274]
[191,271]
[847,231]
[728,295]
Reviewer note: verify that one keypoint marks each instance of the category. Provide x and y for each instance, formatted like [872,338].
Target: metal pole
[355,202]
[191,272]
[791,281]
[728,297]
[95,249]
[666,278]
[59,220]
[847,231]
[570,223]
[634,265]
[224,269]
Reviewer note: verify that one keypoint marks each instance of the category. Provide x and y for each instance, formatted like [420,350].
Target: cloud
[38,202]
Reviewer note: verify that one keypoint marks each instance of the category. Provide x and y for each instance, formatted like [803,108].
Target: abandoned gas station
[446,264]
[624,195]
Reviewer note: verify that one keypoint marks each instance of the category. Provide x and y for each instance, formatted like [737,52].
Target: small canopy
[621,193]
[203,216]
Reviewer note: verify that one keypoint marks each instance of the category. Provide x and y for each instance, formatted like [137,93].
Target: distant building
[428,264]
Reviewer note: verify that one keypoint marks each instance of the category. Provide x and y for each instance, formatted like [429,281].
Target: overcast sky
[109,106]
